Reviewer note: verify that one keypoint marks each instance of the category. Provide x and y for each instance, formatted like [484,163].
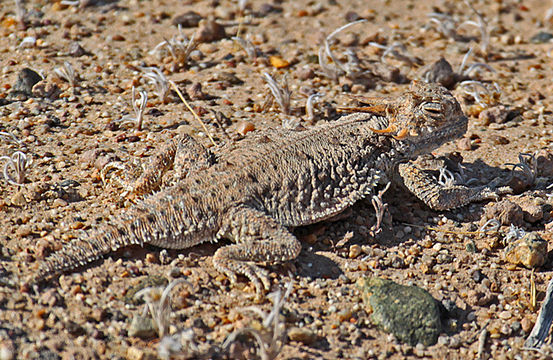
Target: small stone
[209,31]
[532,208]
[442,73]
[59,203]
[189,19]
[134,353]
[302,335]
[151,258]
[505,315]
[478,276]
[73,328]
[544,161]
[7,350]
[195,92]
[18,199]
[530,251]
[408,312]
[245,127]
[26,79]
[47,90]
[24,230]
[142,327]
[497,115]
[506,212]
[354,251]
[498,139]
[352,16]
[541,37]
[76,50]
[98,314]
[464,144]
[527,324]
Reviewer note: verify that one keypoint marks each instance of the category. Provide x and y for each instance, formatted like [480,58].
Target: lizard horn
[401,135]
[390,129]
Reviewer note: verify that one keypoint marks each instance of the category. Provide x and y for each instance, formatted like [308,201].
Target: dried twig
[545,317]
[309,105]
[193,112]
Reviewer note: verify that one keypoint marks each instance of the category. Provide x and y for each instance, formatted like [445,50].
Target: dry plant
[158,79]
[380,209]
[397,50]
[271,339]
[181,343]
[309,105]
[351,69]
[247,45]
[138,105]
[17,163]
[179,46]
[481,92]
[67,73]
[158,303]
[529,166]
[281,93]
[474,66]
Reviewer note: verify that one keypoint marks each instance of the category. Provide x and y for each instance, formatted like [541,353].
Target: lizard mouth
[433,137]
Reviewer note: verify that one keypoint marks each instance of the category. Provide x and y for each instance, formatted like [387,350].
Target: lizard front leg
[183,153]
[439,197]
[259,238]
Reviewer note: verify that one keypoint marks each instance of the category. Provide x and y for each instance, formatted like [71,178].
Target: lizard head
[426,117]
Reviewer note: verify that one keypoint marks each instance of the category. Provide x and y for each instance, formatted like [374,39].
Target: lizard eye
[432,108]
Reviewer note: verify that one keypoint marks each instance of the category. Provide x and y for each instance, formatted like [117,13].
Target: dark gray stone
[408,312]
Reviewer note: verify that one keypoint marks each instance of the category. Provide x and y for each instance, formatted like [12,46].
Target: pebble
[142,327]
[496,115]
[354,251]
[18,199]
[7,350]
[245,127]
[505,315]
[189,19]
[506,212]
[302,335]
[530,251]
[134,353]
[26,79]
[541,37]
[209,31]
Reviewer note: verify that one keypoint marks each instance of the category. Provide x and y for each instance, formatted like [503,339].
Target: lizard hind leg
[182,153]
[259,239]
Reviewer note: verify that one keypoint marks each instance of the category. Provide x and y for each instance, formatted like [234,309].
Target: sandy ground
[73,125]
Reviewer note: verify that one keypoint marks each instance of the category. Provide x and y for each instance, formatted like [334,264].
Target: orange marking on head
[390,129]
[401,135]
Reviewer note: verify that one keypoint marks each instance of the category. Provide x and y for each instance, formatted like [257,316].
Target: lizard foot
[258,276]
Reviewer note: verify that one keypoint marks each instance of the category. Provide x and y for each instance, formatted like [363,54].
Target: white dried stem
[280,93]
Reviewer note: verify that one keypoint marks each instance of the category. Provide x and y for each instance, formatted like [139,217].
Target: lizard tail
[79,253]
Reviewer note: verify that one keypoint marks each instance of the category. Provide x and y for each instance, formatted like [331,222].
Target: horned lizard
[252,191]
